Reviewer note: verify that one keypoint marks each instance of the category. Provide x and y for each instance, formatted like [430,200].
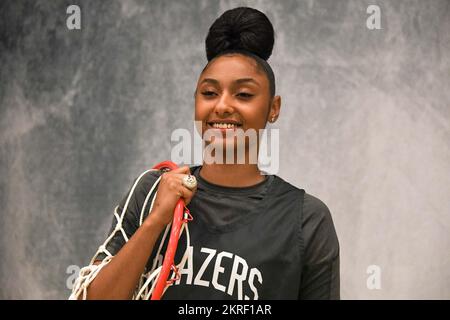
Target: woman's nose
[224,105]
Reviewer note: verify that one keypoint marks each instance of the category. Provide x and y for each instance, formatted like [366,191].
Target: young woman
[253,236]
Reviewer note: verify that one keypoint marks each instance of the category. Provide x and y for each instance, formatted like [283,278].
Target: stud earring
[272,120]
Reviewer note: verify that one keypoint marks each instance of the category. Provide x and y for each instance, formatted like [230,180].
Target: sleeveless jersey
[248,243]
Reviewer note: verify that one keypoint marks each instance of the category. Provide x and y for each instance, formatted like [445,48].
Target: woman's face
[233,90]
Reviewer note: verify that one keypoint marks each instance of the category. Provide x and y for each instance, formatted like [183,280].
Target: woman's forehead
[233,66]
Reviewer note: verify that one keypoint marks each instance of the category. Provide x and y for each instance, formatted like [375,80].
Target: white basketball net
[148,279]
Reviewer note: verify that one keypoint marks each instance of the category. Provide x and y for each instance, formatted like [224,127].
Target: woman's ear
[275,109]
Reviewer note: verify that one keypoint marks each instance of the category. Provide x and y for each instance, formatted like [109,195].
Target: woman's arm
[320,273]
[119,278]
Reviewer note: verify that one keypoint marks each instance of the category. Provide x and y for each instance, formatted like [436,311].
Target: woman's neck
[232,175]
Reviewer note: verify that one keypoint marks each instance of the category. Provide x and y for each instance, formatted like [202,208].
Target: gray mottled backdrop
[365,126]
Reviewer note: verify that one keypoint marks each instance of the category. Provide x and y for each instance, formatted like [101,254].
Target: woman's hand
[170,190]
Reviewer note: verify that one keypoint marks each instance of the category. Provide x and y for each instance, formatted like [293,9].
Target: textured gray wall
[365,120]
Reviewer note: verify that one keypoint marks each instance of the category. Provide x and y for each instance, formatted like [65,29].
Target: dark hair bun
[241,28]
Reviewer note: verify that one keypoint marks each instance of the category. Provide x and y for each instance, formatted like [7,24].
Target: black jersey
[267,241]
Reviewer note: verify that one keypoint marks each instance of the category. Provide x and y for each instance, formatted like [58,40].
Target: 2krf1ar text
[225,309]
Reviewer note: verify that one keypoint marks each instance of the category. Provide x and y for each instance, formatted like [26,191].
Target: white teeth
[224,125]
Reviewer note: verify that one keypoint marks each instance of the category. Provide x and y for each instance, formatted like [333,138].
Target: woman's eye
[245,95]
[208,93]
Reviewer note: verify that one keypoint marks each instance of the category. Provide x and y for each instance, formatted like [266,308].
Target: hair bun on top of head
[241,28]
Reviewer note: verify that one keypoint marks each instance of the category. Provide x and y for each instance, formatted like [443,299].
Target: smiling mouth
[223,125]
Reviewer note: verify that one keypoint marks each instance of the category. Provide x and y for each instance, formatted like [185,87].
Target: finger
[179,177]
[176,178]
[184,194]
[187,194]
[186,190]
[181,170]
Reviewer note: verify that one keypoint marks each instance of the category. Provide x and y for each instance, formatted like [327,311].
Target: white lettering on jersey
[205,264]
[218,269]
[238,274]
[240,278]
[189,270]
[251,277]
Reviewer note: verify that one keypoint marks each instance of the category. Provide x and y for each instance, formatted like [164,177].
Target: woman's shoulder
[280,185]
[317,222]
[145,180]
[312,204]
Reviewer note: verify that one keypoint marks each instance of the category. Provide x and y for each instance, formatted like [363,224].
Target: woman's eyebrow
[238,81]
[244,80]
[210,80]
